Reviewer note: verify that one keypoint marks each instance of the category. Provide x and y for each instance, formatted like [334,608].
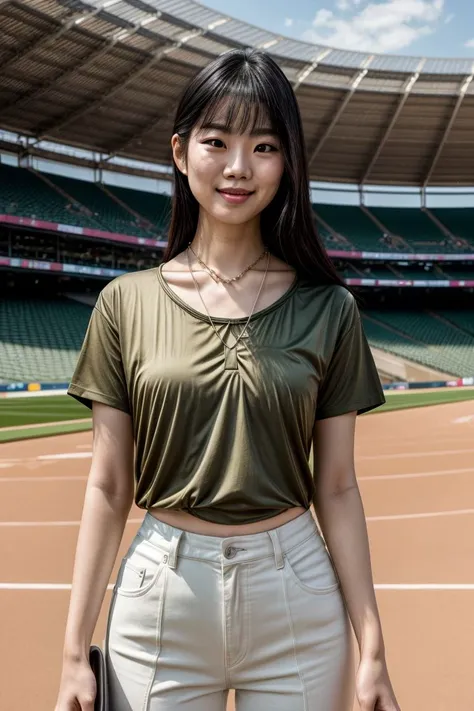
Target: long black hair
[255,90]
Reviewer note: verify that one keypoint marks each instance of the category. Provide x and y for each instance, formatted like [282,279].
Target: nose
[238,166]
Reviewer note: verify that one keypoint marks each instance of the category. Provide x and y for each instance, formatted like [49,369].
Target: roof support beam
[170,107]
[66,24]
[408,86]
[66,74]
[165,112]
[56,126]
[306,71]
[350,93]
[461,94]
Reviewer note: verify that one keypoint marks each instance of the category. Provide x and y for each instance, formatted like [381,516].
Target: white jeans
[193,616]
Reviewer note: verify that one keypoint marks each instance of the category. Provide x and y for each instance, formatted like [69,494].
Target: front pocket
[130,578]
[139,570]
[310,567]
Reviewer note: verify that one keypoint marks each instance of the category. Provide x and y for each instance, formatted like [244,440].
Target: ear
[178,153]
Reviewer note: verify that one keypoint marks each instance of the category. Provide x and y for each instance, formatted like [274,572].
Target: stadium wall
[11,390]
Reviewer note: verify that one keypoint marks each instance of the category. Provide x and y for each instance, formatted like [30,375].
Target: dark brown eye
[264,146]
[214,140]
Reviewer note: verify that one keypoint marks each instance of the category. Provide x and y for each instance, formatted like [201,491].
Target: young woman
[224,366]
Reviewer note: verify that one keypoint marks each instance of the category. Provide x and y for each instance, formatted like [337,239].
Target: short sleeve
[351,381]
[99,372]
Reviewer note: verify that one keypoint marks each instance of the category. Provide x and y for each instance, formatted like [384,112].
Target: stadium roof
[106,75]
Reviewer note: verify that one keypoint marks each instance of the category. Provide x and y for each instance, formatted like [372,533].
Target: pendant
[231,362]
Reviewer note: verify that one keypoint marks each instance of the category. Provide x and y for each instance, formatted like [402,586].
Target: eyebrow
[264,131]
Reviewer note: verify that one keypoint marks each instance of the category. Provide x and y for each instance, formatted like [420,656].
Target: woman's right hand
[78,687]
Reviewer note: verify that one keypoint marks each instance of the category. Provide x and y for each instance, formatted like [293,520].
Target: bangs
[240,105]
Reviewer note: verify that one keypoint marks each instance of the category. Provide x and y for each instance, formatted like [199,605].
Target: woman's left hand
[373,687]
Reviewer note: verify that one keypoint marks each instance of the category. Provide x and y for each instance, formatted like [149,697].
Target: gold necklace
[229,322]
[225,280]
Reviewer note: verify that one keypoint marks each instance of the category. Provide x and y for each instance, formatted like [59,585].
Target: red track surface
[429,634]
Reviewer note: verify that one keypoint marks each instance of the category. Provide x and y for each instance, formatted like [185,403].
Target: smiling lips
[235,195]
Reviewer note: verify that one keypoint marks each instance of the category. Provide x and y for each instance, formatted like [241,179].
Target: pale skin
[227,239]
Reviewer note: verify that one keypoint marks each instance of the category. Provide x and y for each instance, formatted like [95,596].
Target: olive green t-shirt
[225,438]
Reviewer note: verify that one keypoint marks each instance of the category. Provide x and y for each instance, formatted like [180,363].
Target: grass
[44,431]
[404,399]
[40,410]
[38,413]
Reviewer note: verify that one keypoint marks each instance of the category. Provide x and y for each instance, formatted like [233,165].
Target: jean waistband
[232,549]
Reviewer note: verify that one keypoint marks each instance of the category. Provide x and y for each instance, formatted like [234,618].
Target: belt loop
[280,563]
[173,550]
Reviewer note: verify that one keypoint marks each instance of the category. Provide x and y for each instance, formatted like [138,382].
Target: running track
[416,474]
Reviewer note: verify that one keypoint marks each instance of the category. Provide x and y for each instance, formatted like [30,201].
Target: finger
[386,703]
[367,704]
[87,702]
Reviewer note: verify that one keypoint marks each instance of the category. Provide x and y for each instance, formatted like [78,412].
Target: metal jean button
[230,552]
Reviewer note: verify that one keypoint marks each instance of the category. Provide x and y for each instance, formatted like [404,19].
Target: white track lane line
[32,524]
[404,455]
[413,475]
[39,586]
[431,514]
[392,517]
[376,477]
[10,463]
[381,586]
[66,455]
[425,586]
[41,478]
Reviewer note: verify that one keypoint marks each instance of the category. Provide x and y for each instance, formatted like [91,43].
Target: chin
[233,216]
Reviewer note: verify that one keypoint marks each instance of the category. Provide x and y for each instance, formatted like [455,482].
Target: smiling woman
[238,126]
[241,164]
[226,362]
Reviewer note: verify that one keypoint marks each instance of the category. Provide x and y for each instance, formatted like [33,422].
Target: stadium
[88,92]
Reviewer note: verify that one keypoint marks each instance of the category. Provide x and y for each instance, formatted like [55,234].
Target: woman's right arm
[107,503]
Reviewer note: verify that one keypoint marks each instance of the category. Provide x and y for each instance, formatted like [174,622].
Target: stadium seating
[397,272]
[381,337]
[152,206]
[414,226]
[30,351]
[109,213]
[458,273]
[23,194]
[354,224]
[420,336]
[462,319]
[459,220]
[417,274]
[418,232]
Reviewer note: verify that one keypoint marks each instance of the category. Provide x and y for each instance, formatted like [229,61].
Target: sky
[434,28]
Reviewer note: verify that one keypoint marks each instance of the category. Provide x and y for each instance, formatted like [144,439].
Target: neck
[227,248]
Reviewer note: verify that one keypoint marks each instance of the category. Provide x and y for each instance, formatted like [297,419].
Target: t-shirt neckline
[220,319]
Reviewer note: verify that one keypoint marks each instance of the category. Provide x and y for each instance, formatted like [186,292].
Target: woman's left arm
[340,512]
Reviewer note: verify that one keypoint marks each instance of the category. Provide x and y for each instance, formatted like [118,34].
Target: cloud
[288,21]
[389,25]
[449,18]
[469,43]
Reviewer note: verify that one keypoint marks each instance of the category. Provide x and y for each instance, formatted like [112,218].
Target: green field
[30,417]
[402,399]
[39,411]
